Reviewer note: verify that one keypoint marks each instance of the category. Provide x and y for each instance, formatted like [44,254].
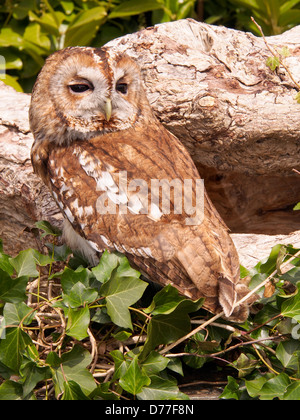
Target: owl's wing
[95,198]
[89,180]
[80,179]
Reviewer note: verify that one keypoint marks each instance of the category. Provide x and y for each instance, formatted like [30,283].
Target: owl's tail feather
[215,272]
[227,295]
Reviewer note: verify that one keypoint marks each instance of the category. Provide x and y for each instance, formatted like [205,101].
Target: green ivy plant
[69,331]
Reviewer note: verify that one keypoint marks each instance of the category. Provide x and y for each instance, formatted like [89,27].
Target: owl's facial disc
[80,88]
[107,101]
[91,91]
[87,90]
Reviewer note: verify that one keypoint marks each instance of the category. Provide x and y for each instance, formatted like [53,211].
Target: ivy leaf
[69,278]
[297,98]
[155,363]
[20,11]
[269,266]
[78,323]
[36,42]
[231,390]
[164,329]
[121,364]
[285,51]
[165,301]
[14,313]
[134,379]
[72,367]
[275,387]
[5,265]
[175,365]
[11,391]
[113,263]
[32,353]
[121,335]
[12,81]
[267,312]
[254,386]
[101,316]
[124,269]
[33,374]
[245,364]
[293,275]
[108,262]
[171,321]
[72,391]
[162,387]
[47,22]
[68,6]
[194,346]
[273,63]
[288,354]
[59,253]
[11,349]
[103,392]
[79,295]
[48,228]
[168,300]
[25,262]
[10,38]
[244,272]
[292,392]
[120,293]
[280,258]
[12,290]
[291,307]
[53,359]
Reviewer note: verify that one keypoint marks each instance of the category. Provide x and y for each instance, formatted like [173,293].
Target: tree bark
[211,87]
[24,199]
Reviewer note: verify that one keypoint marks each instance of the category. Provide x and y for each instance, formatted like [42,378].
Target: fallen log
[211,87]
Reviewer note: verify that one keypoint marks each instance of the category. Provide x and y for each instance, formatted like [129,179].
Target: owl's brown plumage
[100,149]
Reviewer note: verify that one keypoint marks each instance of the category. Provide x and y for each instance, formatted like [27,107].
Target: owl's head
[82,92]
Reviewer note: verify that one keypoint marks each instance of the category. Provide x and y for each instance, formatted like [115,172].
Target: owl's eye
[80,87]
[122,88]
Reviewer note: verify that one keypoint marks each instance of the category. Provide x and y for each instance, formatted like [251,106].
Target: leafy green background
[69,331]
[33,29]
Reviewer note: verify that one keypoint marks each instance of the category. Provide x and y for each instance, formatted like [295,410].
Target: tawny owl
[125,183]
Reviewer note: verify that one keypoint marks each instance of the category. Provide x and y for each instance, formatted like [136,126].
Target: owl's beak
[107,109]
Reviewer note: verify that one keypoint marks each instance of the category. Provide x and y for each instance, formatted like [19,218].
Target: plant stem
[276,54]
[219,315]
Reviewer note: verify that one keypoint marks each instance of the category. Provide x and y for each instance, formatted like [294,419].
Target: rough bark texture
[23,197]
[209,86]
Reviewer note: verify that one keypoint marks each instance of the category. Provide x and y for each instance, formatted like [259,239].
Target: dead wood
[211,87]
